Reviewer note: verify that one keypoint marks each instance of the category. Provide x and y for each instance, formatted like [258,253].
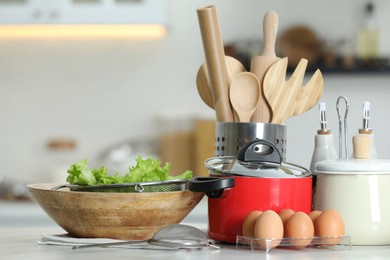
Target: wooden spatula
[260,64]
[309,95]
[288,98]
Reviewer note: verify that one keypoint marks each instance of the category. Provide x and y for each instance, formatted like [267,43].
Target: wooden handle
[215,59]
[270,30]
[260,64]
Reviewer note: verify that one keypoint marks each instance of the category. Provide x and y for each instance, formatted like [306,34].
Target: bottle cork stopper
[324,131]
[361,146]
[367,131]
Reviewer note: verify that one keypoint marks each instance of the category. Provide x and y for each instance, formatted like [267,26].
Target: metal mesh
[181,234]
[137,187]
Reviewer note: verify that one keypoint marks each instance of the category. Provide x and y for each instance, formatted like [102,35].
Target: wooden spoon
[244,95]
[260,64]
[203,84]
[288,98]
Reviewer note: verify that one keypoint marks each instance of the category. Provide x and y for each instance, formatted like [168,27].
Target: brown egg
[248,226]
[285,214]
[328,224]
[269,226]
[300,228]
[314,215]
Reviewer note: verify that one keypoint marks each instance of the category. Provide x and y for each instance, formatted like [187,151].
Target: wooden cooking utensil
[288,98]
[260,64]
[309,95]
[233,67]
[244,95]
[203,86]
[215,59]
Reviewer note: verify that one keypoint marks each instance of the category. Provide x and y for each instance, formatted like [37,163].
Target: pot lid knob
[259,151]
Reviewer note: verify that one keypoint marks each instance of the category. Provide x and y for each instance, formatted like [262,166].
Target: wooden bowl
[128,216]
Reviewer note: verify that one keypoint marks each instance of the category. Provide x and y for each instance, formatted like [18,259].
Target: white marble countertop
[22,224]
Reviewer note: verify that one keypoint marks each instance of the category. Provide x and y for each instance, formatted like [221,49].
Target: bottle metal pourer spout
[366,118]
[323,123]
[363,141]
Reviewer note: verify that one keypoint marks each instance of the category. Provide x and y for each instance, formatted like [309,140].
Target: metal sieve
[139,187]
[173,236]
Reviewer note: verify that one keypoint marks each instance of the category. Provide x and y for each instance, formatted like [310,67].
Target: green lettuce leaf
[145,170]
[148,170]
[79,173]
[184,176]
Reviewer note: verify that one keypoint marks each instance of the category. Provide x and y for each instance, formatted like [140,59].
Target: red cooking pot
[254,180]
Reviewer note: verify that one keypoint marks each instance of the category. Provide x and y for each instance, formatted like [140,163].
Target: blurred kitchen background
[108,96]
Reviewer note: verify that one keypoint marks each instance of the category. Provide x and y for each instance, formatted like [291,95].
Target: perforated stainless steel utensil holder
[230,137]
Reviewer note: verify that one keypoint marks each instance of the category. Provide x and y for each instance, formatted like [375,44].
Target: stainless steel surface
[158,186]
[229,166]
[231,137]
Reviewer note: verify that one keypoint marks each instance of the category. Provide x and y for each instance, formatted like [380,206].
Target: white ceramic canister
[360,191]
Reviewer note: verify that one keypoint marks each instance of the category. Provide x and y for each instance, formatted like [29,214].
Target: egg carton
[265,244]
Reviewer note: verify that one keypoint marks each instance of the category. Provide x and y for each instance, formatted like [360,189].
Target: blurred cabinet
[82,11]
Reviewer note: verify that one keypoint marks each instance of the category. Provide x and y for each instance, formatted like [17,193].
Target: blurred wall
[102,91]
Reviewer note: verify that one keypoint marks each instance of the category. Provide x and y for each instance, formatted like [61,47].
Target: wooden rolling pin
[215,60]
[260,64]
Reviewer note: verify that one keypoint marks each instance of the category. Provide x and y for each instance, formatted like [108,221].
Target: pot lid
[353,166]
[258,158]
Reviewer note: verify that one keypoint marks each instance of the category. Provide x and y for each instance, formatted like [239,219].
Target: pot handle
[260,151]
[212,186]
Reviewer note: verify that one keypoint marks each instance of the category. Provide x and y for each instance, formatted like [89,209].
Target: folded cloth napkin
[66,240]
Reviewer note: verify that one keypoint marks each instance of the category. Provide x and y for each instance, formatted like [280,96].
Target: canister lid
[353,166]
